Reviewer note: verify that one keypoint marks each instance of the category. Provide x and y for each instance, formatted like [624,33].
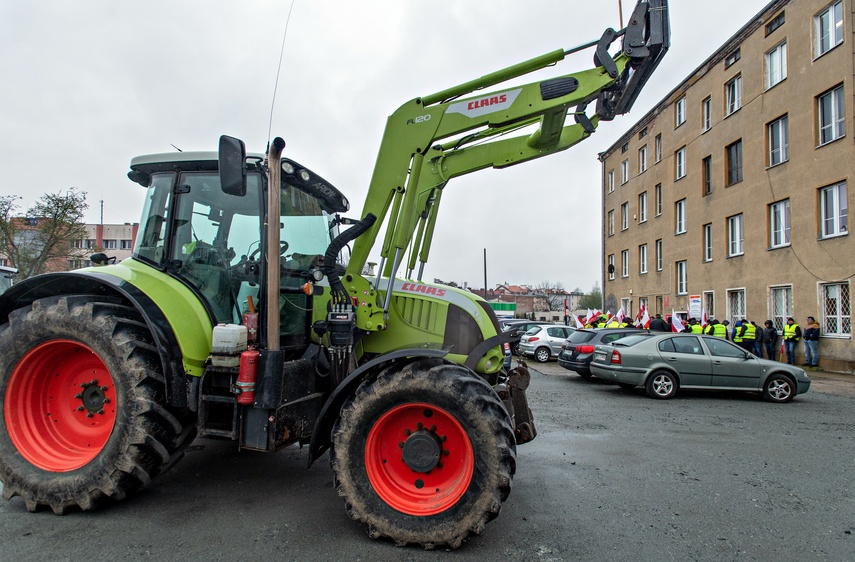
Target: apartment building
[731,195]
[115,240]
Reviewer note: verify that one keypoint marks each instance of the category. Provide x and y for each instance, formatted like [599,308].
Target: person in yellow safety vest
[747,334]
[715,328]
[792,334]
[694,327]
[613,323]
[601,323]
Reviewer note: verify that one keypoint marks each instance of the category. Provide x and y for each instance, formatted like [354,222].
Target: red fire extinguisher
[246,377]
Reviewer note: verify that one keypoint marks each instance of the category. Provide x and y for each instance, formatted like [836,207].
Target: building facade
[115,240]
[731,195]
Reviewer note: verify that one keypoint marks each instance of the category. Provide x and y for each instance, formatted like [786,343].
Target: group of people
[746,334]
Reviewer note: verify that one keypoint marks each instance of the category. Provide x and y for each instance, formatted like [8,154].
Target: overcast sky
[86,85]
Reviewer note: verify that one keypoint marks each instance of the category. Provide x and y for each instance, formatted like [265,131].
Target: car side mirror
[232,155]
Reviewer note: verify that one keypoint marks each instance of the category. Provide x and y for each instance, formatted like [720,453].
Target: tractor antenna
[278,71]
[175,147]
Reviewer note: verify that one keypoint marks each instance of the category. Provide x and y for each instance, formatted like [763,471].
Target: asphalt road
[613,475]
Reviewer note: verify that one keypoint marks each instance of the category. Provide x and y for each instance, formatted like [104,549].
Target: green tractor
[245,315]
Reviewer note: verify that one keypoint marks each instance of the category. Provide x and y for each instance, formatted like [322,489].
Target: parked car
[544,342]
[665,363]
[578,350]
[519,327]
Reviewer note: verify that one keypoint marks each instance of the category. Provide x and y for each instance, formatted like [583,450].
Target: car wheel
[542,355]
[661,385]
[779,388]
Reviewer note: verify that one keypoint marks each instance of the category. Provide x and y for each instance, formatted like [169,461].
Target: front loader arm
[431,139]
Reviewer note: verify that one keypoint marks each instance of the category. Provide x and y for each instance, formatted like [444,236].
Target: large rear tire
[425,454]
[82,405]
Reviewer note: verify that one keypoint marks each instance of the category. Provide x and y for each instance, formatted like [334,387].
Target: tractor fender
[91,283]
[321,436]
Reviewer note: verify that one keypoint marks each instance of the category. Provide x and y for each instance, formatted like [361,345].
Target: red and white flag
[704,319]
[621,315]
[579,324]
[645,320]
[676,323]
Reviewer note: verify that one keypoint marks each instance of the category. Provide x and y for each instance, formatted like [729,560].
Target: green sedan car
[667,362]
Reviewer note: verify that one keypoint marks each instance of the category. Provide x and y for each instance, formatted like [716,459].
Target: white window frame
[680,217]
[658,245]
[779,140]
[642,207]
[611,181]
[680,163]
[611,222]
[612,263]
[709,303]
[735,305]
[706,114]
[828,28]
[642,259]
[780,305]
[776,65]
[779,224]
[831,118]
[834,210]
[642,159]
[735,236]
[682,277]
[657,141]
[624,263]
[624,171]
[733,95]
[708,242]
[836,305]
[680,112]
[734,170]
[658,196]
[624,216]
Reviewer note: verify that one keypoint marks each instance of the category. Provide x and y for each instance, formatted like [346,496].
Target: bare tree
[45,235]
[554,293]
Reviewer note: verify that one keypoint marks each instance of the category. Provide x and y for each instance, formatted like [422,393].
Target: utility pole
[485,273]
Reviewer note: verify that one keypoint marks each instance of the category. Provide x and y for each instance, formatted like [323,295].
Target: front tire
[424,454]
[779,389]
[542,354]
[82,413]
[661,385]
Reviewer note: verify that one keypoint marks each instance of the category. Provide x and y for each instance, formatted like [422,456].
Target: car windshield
[630,341]
[581,336]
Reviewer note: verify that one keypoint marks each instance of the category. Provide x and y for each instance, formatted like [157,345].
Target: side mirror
[232,155]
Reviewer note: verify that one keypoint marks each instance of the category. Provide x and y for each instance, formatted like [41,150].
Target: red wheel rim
[60,405]
[400,486]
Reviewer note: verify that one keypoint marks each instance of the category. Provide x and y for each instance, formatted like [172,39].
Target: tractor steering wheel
[282,249]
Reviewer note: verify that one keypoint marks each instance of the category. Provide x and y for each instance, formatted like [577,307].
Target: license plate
[599,356]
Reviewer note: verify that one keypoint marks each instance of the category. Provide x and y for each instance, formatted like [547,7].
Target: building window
[735,243]
[642,133]
[781,300]
[682,283]
[734,162]
[624,172]
[658,147]
[779,224]
[659,255]
[642,207]
[658,194]
[624,148]
[828,28]
[706,114]
[127,244]
[834,210]
[707,175]
[776,22]
[111,244]
[709,303]
[733,95]
[730,59]
[708,242]
[611,181]
[779,141]
[611,267]
[680,163]
[776,65]
[829,108]
[835,310]
[624,263]
[624,216]
[642,159]
[611,222]
[680,217]
[642,258]
[680,112]
[735,305]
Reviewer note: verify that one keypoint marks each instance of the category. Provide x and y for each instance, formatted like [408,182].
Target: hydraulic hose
[340,241]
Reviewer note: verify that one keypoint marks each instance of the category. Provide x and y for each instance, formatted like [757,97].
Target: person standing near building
[792,334]
[758,340]
[747,336]
[770,336]
[659,325]
[811,341]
